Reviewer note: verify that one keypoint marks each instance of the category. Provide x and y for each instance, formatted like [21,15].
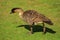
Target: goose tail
[48,21]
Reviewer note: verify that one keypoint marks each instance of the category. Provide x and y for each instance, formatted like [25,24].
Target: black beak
[11,13]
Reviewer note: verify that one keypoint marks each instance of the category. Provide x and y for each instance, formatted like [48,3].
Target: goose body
[31,16]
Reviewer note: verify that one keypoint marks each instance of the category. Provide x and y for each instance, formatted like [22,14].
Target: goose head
[17,10]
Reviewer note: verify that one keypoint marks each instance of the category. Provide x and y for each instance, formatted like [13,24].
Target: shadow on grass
[38,28]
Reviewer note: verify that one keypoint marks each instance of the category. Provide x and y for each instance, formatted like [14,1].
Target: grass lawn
[9,23]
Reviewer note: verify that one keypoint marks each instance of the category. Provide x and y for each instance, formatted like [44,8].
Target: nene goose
[32,17]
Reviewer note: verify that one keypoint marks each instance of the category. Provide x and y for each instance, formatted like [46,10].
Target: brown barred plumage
[32,16]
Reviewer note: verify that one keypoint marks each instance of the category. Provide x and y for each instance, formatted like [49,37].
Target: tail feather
[48,22]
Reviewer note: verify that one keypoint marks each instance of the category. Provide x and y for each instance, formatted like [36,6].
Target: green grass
[9,22]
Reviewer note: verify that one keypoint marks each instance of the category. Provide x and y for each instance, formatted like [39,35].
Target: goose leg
[44,29]
[31,28]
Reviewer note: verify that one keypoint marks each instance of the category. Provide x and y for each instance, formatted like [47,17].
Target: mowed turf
[9,23]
